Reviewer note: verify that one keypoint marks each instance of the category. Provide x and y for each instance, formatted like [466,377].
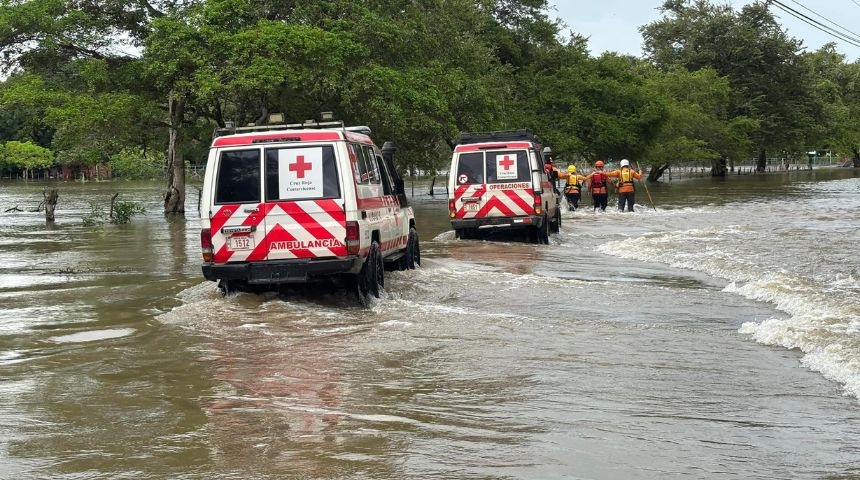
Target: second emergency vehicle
[497,180]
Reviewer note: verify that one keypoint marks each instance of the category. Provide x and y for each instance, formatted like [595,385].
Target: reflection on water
[630,347]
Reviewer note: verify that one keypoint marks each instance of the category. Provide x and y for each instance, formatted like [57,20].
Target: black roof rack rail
[498,136]
[284,126]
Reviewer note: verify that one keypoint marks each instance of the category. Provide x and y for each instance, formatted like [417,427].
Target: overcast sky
[614,24]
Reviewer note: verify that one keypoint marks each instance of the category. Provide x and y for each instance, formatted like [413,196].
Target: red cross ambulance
[497,181]
[287,204]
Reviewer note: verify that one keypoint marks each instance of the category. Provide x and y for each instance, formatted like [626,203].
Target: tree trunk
[657,172]
[50,197]
[856,153]
[174,199]
[112,203]
[761,162]
[432,185]
[719,167]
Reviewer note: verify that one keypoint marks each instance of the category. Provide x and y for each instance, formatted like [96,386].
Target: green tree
[25,156]
[768,81]
[697,125]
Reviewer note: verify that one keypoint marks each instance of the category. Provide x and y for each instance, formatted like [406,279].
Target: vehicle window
[373,175]
[387,180]
[470,168]
[508,166]
[362,170]
[301,173]
[238,178]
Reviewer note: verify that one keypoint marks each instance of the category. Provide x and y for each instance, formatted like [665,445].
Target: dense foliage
[106,81]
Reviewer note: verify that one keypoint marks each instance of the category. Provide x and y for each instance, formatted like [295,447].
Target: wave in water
[822,304]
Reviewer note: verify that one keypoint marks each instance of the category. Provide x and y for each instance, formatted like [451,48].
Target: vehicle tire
[379,282]
[412,255]
[465,234]
[555,226]
[540,235]
[371,277]
[232,287]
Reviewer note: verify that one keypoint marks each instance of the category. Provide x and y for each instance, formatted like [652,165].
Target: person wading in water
[573,186]
[626,187]
[597,185]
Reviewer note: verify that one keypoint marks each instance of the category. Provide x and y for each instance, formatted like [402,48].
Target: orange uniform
[626,175]
[597,181]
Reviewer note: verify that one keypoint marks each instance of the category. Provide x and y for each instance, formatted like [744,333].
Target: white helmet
[547,151]
[625,163]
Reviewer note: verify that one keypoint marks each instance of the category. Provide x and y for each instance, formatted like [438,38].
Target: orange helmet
[598,163]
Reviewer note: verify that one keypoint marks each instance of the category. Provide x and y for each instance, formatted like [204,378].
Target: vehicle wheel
[540,235]
[465,234]
[371,277]
[412,255]
[230,287]
[555,226]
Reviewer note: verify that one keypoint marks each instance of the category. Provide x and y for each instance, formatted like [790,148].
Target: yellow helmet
[571,169]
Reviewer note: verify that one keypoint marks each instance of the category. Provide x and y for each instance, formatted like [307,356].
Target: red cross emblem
[506,162]
[300,166]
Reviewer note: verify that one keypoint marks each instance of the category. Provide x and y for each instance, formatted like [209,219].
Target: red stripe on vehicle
[490,145]
[306,220]
[518,200]
[221,216]
[222,255]
[287,136]
[279,234]
[494,202]
[334,209]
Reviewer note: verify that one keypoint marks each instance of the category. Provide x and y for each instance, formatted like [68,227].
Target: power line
[856,2]
[849,32]
[851,37]
[818,25]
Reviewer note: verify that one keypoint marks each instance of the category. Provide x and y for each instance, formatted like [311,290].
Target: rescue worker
[626,188]
[573,186]
[597,186]
[551,172]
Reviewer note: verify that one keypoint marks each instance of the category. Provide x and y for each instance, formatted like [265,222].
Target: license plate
[472,206]
[240,243]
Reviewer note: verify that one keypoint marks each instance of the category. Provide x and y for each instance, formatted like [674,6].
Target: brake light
[206,244]
[538,208]
[353,242]
[452,210]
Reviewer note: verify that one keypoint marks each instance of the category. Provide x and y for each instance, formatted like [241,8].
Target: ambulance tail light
[206,244]
[353,241]
[538,209]
[452,210]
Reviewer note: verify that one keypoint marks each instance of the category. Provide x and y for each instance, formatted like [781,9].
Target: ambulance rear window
[507,166]
[470,168]
[301,173]
[238,177]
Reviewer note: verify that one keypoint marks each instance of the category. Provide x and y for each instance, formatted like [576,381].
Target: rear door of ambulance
[509,191]
[304,207]
[468,168]
[235,209]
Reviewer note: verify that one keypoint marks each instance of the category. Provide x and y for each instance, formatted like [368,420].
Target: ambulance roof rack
[230,128]
[498,136]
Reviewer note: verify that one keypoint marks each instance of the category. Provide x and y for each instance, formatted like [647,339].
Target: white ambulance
[497,181]
[288,204]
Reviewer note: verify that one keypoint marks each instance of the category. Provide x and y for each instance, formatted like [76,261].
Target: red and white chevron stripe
[509,202]
[306,229]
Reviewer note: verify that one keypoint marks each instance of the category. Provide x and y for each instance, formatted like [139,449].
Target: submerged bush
[96,216]
[123,211]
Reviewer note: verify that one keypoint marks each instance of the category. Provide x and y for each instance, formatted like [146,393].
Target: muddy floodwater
[717,336]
